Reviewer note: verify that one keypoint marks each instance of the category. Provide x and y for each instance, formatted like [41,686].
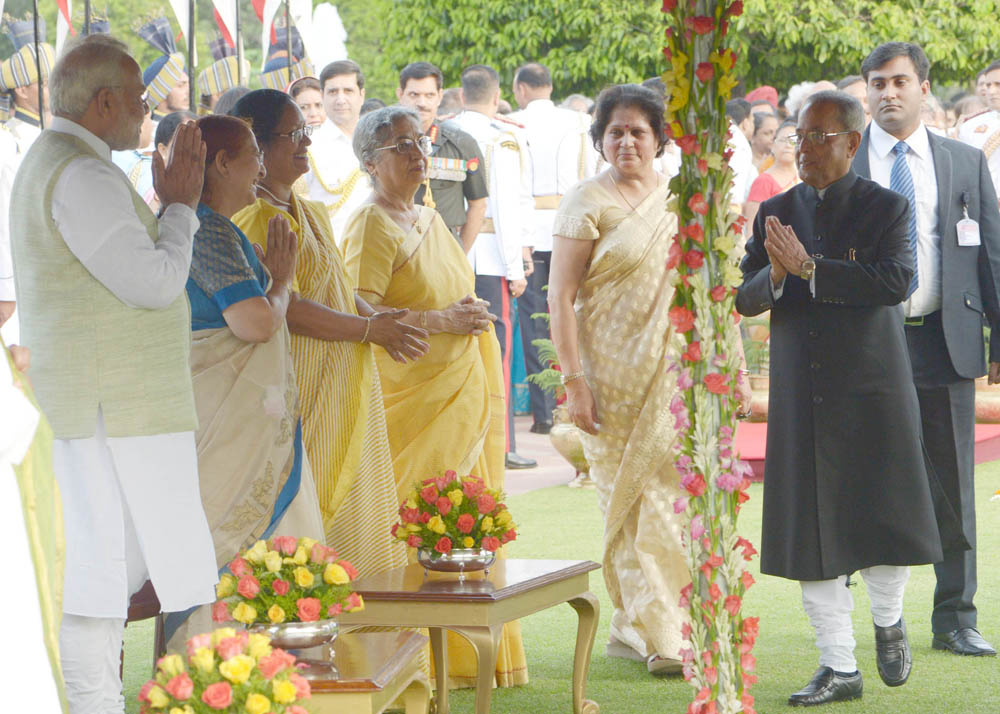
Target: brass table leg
[439,649]
[485,641]
[417,696]
[588,610]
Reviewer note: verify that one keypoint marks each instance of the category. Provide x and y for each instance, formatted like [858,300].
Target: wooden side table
[477,609]
[373,670]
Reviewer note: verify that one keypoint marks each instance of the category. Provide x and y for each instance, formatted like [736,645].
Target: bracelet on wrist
[368,328]
[423,319]
[567,378]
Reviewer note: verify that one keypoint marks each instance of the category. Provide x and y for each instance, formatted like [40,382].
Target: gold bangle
[567,378]
[368,327]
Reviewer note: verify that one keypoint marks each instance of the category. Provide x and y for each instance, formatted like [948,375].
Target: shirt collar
[67,126]
[539,105]
[838,188]
[335,132]
[474,118]
[882,141]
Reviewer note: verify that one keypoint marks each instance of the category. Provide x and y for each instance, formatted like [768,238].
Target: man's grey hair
[850,113]
[86,66]
[374,128]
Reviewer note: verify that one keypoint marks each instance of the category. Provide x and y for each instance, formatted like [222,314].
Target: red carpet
[751,438]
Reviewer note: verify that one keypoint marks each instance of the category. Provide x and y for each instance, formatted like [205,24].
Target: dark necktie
[901,181]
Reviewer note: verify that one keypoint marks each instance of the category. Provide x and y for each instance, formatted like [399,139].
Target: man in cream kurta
[110,342]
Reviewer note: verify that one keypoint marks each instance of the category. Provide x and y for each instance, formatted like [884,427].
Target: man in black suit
[956,244]
[830,258]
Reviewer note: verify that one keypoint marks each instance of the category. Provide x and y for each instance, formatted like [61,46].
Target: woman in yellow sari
[331,334]
[609,299]
[445,411]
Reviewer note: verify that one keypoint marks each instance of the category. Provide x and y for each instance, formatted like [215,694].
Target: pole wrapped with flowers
[704,256]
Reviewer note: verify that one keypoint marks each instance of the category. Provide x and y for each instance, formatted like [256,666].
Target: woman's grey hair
[373,130]
[84,68]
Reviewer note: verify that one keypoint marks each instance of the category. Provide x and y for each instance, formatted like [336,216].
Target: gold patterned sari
[624,332]
[446,409]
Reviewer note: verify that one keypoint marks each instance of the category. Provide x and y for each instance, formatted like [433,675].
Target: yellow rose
[203,659]
[303,578]
[237,669]
[257,704]
[226,586]
[221,634]
[158,698]
[468,541]
[335,575]
[186,710]
[436,524]
[411,502]
[276,614]
[260,646]
[504,519]
[256,554]
[455,496]
[307,543]
[301,556]
[171,665]
[245,613]
[486,525]
[284,691]
[415,528]
[272,561]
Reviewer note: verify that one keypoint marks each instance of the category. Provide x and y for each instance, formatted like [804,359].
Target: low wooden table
[477,609]
[372,670]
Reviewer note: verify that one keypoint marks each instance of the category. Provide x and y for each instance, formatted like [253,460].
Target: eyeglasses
[405,146]
[143,99]
[296,136]
[815,137]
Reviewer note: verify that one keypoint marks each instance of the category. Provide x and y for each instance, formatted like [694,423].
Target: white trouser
[828,604]
[90,647]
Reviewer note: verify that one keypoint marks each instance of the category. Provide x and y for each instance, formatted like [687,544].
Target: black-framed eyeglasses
[297,135]
[815,137]
[407,145]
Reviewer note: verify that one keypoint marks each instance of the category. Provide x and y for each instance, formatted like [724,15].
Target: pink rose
[472,489]
[424,516]
[334,610]
[414,541]
[508,536]
[248,586]
[143,695]
[491,543]
[230,647]
[429,494]
[444,505]
[180,687]
[218,695]
[280,587]
[465,523]
[443,545]
[486,503]
[410,515]
[352,572]
[353,602]
[220,611]
[444,481]
[318,553]
[275,662]
[309,608]
[295,709]
[240,567]
[285,544]
[450,474]
[199,641]
[302,688]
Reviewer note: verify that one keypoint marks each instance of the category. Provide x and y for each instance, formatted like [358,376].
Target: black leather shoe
[963,641]
[513,461]
[828,686]
[892,653]
[541,427]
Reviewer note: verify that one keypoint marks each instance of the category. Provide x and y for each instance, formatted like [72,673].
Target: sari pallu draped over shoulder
[625,337]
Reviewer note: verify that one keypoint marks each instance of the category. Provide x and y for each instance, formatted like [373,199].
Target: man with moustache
[954,234]
[830,259]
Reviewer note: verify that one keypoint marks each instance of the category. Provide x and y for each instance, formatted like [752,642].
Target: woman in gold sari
[331,334]
[609,298]
[445,411]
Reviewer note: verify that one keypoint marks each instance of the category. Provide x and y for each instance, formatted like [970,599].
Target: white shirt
[927,297]
[333,167]
[499,253]
[983,132]
[741,162]
[562,154]
[9,160]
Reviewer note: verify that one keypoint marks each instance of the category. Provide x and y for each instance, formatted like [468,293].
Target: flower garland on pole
[718,661]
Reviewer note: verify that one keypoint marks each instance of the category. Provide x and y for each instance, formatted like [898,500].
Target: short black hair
[534,75]
[168,125]
[738,110]
[850,113]
[889,51]
[761,103]
[629,95]
[335,69]
[849,80]
[479,83]
[420,70]
[760,117]
[301,85]
[263,107]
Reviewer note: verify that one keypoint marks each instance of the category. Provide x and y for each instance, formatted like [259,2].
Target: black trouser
[532,301]
[496,291]
[947,416]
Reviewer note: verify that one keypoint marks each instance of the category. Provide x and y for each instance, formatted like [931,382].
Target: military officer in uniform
[455,185]
[223,74]
[561,154]
[167,87]
[496,255]
[335,177]
[983,130]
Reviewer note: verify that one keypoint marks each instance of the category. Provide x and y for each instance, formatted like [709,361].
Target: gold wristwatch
[807,269]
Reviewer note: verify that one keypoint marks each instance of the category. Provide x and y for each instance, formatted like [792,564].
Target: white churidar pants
[828,604]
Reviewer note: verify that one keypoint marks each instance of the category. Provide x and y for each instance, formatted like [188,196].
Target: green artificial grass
[563,523]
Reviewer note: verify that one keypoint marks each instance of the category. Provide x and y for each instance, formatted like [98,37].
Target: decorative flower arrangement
[718,662]
[286,580]
[226,671]
[448,512]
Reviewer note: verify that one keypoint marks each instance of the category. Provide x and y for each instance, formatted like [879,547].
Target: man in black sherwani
[845,486]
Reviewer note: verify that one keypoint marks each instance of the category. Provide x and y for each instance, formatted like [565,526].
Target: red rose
[486,503]
[694,259]
[280,587]
[733,604]
[705,71]
[689,144]
[309,608]
[508,536]
[693,352]
[695,232]
[681,318]
[275,662]
[429,494]
[451,474]
[465,523]
[719,293]
[424,516]
[491,543]
[444,505]
[443,545]
[669,5]
[414,541]
[240,567]
[674,256]
[472,489]
[248,586]
[698,204]
[410,515]
[351,571]
[717,383]
[218,695]
[735,9]
[701,24]
[220,611]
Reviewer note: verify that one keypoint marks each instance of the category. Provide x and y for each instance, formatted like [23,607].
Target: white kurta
[333,170]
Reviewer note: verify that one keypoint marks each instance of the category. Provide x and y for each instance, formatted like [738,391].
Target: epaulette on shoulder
[504,119]
[977,114]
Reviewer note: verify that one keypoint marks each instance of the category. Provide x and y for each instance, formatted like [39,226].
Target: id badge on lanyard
[967,229]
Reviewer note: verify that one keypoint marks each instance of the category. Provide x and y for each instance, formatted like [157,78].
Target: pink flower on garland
[695,232]
[695,486]
[689,144]
[733,604]
[698,204]
[674,255]
[701,25]
[694,259]
[681,318]
[747,579]
[686,591]
[705,71]
[693,352]
[716,383]
[735,10]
